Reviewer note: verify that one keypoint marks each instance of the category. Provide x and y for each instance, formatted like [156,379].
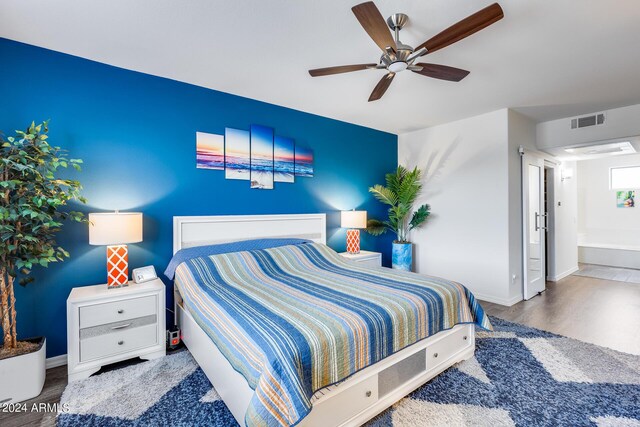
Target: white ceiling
[546,58]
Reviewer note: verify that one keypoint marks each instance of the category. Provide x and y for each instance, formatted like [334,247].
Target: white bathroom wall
[600,221]
[566,226]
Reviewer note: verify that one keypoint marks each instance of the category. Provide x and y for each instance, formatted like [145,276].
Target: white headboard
[190,231]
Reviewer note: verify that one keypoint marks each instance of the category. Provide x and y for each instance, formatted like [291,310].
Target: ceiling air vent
[586,121]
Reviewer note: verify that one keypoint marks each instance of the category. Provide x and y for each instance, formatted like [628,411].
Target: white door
[535,224]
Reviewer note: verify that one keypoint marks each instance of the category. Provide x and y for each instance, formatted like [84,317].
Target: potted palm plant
[402,189]
[31,196]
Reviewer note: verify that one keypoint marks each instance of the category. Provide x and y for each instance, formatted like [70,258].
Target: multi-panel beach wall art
[256,155]
[210,151]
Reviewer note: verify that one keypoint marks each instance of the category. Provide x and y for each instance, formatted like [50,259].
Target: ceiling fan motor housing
[403,51]
[397,60]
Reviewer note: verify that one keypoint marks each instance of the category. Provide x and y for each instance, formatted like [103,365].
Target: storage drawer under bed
[381,386]
[441,350]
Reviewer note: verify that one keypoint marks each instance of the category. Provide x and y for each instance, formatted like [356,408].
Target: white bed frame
[350,403]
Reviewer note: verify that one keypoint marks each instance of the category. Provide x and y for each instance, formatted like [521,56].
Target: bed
[295,334]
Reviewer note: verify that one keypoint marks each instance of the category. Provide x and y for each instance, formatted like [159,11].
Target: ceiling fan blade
[381,87]
[340,69]
[468,26]
[442,72]
[374,24]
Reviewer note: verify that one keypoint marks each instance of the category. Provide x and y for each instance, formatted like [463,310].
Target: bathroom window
[625,178]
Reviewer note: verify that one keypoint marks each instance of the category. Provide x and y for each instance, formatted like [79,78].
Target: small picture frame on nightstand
[144,274]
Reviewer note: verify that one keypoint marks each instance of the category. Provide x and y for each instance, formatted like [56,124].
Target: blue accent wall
[136,135]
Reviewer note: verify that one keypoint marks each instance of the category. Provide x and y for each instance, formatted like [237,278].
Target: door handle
[546,221]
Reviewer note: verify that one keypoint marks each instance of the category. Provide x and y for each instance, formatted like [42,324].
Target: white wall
[473,182]
[599,220]
[565,211]
[619,123]
[467,185]
[521,132]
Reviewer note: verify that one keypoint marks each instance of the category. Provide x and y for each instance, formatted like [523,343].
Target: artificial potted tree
[32,194]
[402,189]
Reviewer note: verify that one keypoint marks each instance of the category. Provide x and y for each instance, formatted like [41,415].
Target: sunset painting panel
[237,160]
[209,151]
[261,157]
[303,161]
[283,159]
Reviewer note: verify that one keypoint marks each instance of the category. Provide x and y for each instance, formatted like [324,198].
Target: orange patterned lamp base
[117,266]
[353,241]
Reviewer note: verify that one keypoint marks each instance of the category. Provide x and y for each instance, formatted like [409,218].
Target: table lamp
[116,229]
[353,220]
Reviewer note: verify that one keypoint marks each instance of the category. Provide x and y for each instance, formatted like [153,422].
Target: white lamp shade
[115,228]
[353,219]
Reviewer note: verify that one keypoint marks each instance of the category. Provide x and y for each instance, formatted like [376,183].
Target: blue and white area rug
[520,376]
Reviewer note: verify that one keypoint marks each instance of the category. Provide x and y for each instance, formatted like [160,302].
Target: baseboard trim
[54,362]
[501,301]
[561,276]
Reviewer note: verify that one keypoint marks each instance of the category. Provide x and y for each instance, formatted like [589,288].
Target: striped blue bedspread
[295,319]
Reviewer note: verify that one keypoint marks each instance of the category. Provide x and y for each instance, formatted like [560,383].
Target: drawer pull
[126,325]
[435,354]
[120,311]
[120,342]
[368,393]
[464,337]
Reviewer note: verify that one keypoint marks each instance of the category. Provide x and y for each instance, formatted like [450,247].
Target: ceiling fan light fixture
[397,66]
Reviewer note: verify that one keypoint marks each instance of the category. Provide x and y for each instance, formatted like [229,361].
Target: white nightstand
[371,259]
[109,325]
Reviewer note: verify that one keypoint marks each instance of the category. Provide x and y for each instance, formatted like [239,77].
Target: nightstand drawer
[370,262]
[365,259]
[100,314]
[122,341]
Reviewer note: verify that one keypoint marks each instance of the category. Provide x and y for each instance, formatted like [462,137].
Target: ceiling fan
[397,56]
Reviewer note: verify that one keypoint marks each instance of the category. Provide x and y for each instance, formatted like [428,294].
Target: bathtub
[594,250]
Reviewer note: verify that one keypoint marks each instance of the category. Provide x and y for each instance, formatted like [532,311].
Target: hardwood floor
[603,312]
[54,385]
[598,311]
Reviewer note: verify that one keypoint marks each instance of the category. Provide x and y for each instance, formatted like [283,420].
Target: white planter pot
[22,377]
